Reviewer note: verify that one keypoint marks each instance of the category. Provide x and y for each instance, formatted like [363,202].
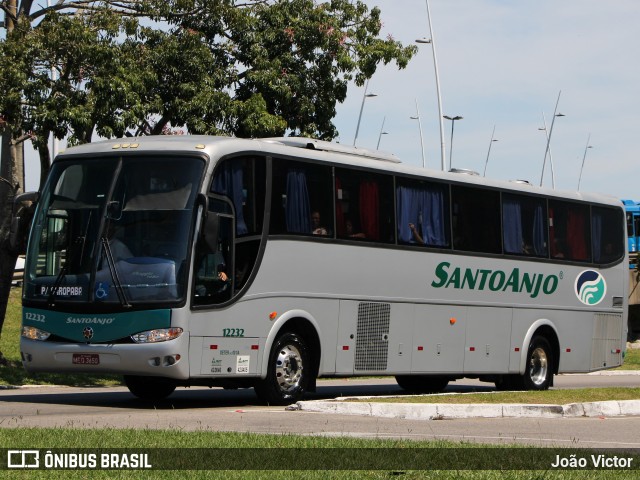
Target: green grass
[548,397]
[284,453]
[631,360]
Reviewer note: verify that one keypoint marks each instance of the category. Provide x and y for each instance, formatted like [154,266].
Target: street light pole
[432,41]
[489,151]
[453,121]
[382,132]
[549,133]
[417,117]
[583,158]
[364,97]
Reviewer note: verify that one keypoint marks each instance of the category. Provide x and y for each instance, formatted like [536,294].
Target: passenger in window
[559,249]
[212,280]
[351,231]
[316,225]
[416,234]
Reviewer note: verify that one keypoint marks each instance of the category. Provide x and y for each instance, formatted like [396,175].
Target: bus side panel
[488,335]
[439,339]
[574,333]
[374,337]
[401,337]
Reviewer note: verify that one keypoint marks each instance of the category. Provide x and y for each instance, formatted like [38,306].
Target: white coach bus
[186,260]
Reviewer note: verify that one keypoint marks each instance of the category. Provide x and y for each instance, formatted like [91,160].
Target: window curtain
[297,207]
[229,182]
[512,225]
[425,209]
[539,247]
[369,209]
[576,233]
[596,236]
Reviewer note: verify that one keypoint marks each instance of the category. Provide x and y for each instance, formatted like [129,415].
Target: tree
[249,68]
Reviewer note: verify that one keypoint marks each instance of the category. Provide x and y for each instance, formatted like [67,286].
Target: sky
[503,64]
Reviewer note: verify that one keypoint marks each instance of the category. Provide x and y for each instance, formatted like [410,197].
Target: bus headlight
[33,333]
[155,336]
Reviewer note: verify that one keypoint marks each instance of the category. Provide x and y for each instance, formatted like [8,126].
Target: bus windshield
[113,231]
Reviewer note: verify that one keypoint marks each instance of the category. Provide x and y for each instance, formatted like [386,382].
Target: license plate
[85,359]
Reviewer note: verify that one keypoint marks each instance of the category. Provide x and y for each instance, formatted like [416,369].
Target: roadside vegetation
[286,455]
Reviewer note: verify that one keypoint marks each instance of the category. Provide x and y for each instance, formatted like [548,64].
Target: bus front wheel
[149,388]
[287,379]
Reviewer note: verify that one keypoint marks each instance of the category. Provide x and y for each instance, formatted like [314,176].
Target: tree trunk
[11,171]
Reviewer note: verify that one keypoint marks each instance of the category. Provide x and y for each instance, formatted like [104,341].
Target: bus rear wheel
[422,383]
[538,372]
[286,380]
[149,388]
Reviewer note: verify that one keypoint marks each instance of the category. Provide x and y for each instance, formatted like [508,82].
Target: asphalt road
[238,410]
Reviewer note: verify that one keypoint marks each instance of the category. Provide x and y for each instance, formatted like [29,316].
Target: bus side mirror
[21,216]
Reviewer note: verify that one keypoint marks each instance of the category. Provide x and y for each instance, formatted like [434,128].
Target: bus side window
[422,213]
[301,202]
[364,208]
[524,229]
[606,235]
[213,276]
[569,231]
[476,219]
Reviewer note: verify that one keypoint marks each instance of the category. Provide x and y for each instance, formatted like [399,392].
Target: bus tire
[287,371]
[538,372]
[422,383]
[149,388]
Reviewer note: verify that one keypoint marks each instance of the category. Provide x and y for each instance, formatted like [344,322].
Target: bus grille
[372,341]
[607,332]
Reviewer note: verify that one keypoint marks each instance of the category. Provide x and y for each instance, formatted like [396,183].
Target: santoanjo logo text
[494,280]
[95,320]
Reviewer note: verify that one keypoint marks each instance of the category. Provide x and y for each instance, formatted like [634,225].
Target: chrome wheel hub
[289,368]
[539,366]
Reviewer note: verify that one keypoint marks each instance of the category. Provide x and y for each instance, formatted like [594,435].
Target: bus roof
[218,146]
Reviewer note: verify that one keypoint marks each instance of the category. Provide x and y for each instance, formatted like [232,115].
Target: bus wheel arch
[539,362]
[292,362]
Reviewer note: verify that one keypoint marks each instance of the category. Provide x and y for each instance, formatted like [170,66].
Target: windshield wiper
[56,285]
[73,254]
[114,273]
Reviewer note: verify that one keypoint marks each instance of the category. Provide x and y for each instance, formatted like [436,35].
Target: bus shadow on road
[201,397]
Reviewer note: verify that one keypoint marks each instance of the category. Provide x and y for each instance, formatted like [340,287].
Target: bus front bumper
[166,359]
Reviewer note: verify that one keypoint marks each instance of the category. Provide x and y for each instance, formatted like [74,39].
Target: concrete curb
[440,411]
